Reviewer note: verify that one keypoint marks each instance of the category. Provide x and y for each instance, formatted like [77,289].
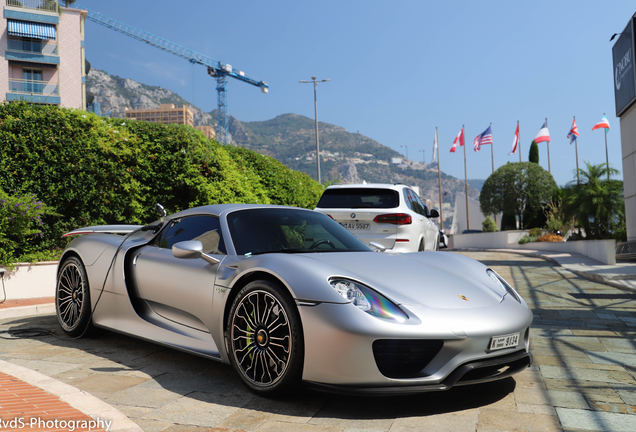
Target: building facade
[42,53]
[165,114]
[169,114]
[624,60]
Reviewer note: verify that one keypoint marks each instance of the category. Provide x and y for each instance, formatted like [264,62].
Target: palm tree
[597,203]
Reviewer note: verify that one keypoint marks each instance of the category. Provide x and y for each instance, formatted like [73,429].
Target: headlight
[368,300]
[501,282]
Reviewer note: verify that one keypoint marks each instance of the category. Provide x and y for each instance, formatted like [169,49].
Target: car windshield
[359,198]
[281,230]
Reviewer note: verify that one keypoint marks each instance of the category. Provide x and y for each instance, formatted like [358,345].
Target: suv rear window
[359,198]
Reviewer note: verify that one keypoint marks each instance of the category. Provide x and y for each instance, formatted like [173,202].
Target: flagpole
[549,170]
[466,179]
[576,147]
[519,141]
[492,156]
[439,182]
[606,153]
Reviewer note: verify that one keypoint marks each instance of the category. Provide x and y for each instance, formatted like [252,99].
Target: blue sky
[397,69]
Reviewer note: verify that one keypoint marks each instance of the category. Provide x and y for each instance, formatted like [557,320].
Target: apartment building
[42,53]
[168,114]
[165,114]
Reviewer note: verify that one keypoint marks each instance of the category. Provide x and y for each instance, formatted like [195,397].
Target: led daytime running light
[503,284]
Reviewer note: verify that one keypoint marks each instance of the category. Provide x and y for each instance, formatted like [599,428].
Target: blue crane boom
[216,69]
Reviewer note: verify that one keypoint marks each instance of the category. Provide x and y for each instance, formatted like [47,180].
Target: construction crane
[220,71]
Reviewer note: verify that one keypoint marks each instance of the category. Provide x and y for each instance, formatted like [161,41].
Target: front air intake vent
[404,358]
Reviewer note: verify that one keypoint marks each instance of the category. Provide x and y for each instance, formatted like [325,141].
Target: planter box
[603,251]
[31,280]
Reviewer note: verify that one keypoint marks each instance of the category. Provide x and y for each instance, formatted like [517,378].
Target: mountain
[115,94]
[290,138]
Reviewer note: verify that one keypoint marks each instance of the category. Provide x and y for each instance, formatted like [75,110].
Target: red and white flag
[459,139]
[515,141]
[603,124]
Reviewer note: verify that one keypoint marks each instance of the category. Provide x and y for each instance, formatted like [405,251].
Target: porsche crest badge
[463,297]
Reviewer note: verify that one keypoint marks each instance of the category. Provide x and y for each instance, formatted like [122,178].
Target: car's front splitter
[475,372]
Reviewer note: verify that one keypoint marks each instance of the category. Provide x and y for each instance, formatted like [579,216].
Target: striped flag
[515,141]
[459,139]
[603,124]
[544,134]
[574,132]
[483,138]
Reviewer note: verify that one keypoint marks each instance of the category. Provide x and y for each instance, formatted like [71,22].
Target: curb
[78,399]
[22,311]
[612,281]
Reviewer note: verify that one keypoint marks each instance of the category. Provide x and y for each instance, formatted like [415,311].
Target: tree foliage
[92,170]
[597,204]
[514,187]
[533,156]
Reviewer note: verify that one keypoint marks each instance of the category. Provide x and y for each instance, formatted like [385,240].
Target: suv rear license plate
[501,342]
[356,226]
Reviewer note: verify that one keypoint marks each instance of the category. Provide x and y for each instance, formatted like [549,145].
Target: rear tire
[72,298]
[265,339]
[421,247]
[437,244]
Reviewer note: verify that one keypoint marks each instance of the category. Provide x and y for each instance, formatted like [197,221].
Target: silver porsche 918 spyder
[287,295]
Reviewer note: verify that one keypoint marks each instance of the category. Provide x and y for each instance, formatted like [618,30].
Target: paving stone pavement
[583,379]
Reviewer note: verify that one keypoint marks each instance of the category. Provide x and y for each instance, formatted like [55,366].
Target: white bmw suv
[389,214]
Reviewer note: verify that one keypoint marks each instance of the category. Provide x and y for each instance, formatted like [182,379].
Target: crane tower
[220,71]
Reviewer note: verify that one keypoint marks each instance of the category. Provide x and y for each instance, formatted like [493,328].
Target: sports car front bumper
[339,353]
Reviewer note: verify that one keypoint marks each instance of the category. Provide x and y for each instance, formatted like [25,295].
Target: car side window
[206,229]
[423,206]
[408,199]
[416,204]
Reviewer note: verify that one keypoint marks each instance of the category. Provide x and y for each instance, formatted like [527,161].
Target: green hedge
[93,170]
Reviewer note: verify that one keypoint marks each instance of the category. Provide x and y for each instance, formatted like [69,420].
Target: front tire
[72,298]
[264,338]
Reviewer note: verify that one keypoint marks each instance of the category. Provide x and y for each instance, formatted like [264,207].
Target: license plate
[356,225]
[501,342]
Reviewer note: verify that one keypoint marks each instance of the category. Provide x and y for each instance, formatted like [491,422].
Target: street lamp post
[313,79]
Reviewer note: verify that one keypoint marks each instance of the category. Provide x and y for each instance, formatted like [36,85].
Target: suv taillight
[395,219]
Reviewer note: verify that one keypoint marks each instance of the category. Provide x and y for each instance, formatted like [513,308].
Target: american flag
[484,138]
[574,132]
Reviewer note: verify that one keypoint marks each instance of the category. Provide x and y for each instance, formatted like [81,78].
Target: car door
[181,290]
[429,228]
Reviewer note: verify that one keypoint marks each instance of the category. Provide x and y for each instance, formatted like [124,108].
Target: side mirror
[377,247]
[434,214]
[191,250]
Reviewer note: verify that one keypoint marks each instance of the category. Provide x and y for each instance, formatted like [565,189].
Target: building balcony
[33,91]
[40,5]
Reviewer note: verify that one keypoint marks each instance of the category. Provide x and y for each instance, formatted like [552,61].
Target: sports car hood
[431,279]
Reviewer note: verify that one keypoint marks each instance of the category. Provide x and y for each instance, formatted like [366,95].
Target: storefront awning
[31,29]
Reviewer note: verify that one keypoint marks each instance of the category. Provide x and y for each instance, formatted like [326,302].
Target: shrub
[283,185]
[20,226]
[527,239]
[92,170]
[535,232]
[488,225]
[550,237]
